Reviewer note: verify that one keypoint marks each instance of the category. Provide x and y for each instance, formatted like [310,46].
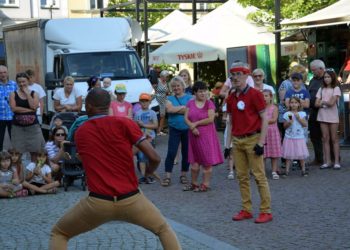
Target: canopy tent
[336,13]
[208,40]
[174,23]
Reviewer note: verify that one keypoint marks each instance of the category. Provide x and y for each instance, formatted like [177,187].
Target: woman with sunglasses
[26,132]
[54,148]
[67,99]
[258,77]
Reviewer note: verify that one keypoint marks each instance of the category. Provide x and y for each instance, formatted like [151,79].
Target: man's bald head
[97,102]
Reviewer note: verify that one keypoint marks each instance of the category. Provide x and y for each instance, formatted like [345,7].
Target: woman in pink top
[119,107]
[327,100]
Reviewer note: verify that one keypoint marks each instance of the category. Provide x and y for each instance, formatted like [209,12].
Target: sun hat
[120,88]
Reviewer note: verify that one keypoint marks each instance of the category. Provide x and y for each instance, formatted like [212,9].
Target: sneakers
[275,176]
[263,218]
[325,166]
[336,167]
[142,180]
[147,180]
[150,180]
[304,173]
[242,215]
[231,175]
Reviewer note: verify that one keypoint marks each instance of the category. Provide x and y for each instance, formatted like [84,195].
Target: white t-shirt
[296,130]
[70,100]
[40,91]
[45,169]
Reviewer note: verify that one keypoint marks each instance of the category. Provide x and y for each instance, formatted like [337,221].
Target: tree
[290,9]
[153,17]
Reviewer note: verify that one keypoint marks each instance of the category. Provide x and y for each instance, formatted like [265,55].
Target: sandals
[166,182]
[190,187]
[183,179]
[202,188]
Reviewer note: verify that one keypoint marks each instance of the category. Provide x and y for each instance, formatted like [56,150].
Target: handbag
[24,119]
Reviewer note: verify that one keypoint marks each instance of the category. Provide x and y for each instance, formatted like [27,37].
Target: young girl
[204,148]
[294,143]
[327,99]
[120,107]
[272,148]
[9,183]
[16,161]
[39,175]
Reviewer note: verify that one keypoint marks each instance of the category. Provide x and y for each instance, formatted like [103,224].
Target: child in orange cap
[146,118]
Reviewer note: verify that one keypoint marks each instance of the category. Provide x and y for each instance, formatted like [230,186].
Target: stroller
[72,167]
[68,118]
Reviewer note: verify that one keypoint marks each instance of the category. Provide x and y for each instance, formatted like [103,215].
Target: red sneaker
[263,218]
[242,215]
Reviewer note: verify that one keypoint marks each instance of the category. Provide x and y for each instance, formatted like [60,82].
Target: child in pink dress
[120,107]
[204,148]
[294,143]
[272,148]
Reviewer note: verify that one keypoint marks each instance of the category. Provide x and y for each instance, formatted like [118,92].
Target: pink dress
[120,109]
[272,148]
[203,149]
[328,114]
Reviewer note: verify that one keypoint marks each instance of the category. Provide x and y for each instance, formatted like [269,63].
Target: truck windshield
[116,65]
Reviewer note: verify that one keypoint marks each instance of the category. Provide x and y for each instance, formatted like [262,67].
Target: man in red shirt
[104,144]
[246,109]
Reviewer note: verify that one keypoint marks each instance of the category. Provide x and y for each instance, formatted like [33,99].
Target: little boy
[148,122]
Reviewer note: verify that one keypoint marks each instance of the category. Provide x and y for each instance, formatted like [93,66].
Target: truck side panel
[25,50]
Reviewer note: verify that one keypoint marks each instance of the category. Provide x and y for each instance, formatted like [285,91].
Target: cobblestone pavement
[309,213]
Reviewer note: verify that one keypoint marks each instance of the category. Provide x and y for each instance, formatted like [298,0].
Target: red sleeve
[229,104]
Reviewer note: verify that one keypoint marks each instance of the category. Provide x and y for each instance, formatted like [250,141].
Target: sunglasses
[60,134]
[330,69]
[255,76]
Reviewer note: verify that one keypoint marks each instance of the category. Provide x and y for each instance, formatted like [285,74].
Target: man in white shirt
[41,93]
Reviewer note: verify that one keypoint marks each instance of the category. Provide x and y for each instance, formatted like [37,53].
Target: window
[50,4]
[9,3]
[116,65]
[96,4]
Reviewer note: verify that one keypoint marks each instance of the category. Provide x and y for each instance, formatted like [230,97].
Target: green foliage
[290,9]
[153,17]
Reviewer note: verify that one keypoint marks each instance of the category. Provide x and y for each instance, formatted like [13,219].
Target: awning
[337,12]
[313,26]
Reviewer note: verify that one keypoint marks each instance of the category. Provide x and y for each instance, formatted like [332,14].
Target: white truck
[80,48]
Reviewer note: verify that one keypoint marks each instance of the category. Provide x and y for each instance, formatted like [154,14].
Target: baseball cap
[297,76]
[145,96]
[120,88]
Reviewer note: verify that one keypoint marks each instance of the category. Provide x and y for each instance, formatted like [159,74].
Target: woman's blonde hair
[68,78]
[298,68]
[189,76]
[178,79]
